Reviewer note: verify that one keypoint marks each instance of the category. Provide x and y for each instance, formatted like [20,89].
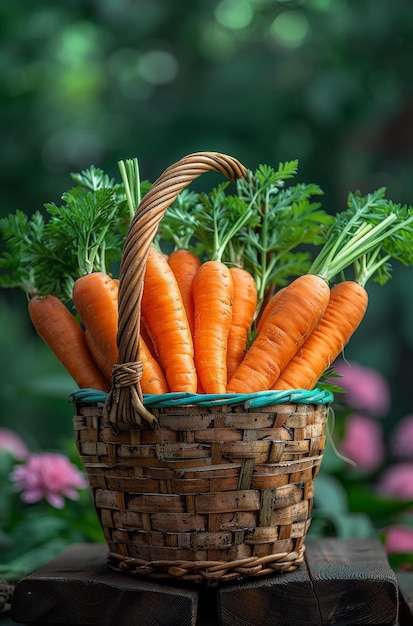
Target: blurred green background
[93,81]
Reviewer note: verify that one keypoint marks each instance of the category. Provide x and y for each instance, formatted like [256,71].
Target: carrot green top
[370,227]
[260,226]
[267,225]
[83,234]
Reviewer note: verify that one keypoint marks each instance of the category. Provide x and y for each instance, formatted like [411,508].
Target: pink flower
[401,441]
[363,442]
[399,539]
[11,442]
[48,475]
[397,481]
[366,389]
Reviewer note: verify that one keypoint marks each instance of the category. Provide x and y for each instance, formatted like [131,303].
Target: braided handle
[124,403]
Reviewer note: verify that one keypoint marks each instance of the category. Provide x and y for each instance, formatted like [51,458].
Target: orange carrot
[59,329]
[153,379]
[166,318]
[344,313]
[185,265]
[286,327]
[213,291]
[272,302]
[95,297]
[98,358]
[244,305]
[147,337]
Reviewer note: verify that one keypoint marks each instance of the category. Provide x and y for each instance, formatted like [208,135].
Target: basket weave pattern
[216,492]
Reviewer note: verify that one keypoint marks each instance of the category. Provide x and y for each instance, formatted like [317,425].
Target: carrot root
[244,304]
[56,325]
[213,291]
[296,313]
[164,313]
[185,265]
[95,297]
[343,315]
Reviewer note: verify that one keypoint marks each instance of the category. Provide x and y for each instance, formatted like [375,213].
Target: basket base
[198,571]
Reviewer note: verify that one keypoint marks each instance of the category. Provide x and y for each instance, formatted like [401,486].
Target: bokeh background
[327,82]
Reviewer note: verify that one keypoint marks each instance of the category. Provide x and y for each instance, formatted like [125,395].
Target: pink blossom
[363,442]
[48,475]
[397,481]
[399,539]
[366,389]
[401,442]
[11,442]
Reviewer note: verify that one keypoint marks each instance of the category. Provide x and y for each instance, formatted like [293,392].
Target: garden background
[327,82]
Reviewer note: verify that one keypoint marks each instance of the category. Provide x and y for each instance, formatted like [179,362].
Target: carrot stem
[130,174]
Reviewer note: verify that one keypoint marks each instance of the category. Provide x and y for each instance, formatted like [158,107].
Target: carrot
[299,309]
[344,313]
[185,265]
[147,337]
[60,330]
[95,297]
[104,367]
[213,291]
[164,313]
[153,379]
[272,302]
[244,305]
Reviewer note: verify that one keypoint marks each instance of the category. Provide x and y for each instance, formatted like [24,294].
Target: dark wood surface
[405,582]
[342,582]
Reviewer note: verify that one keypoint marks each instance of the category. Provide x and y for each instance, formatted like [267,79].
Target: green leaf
[180,223]
[371,225]
[286,219]
[20,234]
[93,179]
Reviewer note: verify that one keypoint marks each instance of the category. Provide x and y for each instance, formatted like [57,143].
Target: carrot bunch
[61,265]
[306,324]
[231,302]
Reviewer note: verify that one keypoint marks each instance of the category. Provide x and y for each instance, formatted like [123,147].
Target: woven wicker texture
[189,486]
[213,492]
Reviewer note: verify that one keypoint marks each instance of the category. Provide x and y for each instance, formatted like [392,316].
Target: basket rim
[251,400]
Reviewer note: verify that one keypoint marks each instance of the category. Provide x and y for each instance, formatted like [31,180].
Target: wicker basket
[189,486]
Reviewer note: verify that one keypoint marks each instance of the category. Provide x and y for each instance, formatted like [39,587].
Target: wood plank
[278,600]
[78,588]
[353,582]
[405,581]
[343,582]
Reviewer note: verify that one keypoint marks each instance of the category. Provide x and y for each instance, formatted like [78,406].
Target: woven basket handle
[124,403]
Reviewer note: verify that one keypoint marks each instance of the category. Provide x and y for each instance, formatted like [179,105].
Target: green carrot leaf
[180,223]
[370,232]
[289,219]
[20,233]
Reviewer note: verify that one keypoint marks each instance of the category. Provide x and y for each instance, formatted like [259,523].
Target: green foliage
[369,225]
[84,234]
[285,219]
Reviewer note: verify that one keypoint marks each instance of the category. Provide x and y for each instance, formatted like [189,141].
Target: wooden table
[342,582]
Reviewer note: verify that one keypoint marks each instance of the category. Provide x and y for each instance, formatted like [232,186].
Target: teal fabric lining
[250,400]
